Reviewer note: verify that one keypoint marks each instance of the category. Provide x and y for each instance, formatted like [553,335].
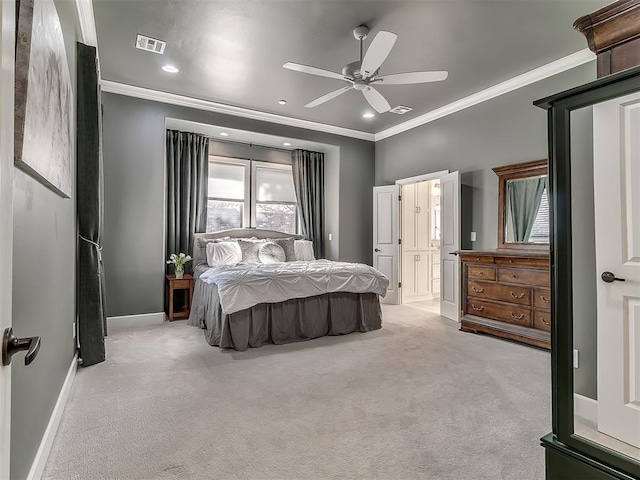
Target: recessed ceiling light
[282,102]
[286,144]
[224,134]
[368,115]
[170,68]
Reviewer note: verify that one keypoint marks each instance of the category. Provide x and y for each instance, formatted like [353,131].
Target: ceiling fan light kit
[363,74]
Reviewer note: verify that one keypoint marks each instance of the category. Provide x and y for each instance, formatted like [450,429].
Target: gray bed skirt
[285,322]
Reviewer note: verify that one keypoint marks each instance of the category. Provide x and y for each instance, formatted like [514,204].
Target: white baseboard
[585,407]
[42,455]
[140,320]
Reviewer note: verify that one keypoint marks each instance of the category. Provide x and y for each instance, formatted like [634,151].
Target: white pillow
[271,253]
[223,253]
[304,250]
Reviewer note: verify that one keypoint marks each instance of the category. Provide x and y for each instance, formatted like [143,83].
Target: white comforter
[244,285]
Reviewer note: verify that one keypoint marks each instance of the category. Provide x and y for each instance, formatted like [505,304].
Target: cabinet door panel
[409,230]
[409,287]
[422,274]
[423,216]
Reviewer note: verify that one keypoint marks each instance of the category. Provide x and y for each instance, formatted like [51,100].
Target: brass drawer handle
[519,317]
[544,321]
[476,308]
[517,296]
[473,287]
[545,300]
[477,259]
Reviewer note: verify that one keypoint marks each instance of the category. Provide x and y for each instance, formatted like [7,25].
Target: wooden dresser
[506,293]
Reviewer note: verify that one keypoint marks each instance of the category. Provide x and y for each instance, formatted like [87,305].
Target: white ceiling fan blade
[327,97]
[412,77]
[377,53]
[376,100]
[312,70]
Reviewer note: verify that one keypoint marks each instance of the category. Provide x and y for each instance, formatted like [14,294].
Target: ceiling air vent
[401,110]
[150,44]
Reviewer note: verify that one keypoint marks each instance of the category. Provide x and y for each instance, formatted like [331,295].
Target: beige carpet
[417,399]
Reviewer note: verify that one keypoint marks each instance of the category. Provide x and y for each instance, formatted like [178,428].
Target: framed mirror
[523,205]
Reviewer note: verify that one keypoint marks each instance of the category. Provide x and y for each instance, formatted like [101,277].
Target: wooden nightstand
[172,285]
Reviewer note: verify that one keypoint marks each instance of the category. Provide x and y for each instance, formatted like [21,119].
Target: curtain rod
[251,145]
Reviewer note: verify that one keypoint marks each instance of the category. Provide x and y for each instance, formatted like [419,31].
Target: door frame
[7,93]
[427,177]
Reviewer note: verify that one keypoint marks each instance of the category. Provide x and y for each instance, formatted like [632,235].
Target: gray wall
[507,129]
[43,292]
[134,168]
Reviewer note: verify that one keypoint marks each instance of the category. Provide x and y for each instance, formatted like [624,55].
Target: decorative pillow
[304,250]
[270,252]
[223,253]
[287,245]
[250,250]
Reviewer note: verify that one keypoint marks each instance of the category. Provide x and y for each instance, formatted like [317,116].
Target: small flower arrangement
[179,261]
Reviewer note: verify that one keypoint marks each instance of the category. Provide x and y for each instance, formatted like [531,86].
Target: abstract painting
[44,98]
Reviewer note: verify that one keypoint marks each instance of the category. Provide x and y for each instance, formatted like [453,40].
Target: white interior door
[386,211]
[449,245]
[7,59]
[617,216]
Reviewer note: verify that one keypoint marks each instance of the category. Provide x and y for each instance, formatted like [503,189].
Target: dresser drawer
[538,278]
[485,273]
[541,262]
[542,320]
[506,313]
[496,291]
[542,298]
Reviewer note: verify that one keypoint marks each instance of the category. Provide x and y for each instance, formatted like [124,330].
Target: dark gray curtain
[92,322]
[187,176]
[308,180]
[524,200]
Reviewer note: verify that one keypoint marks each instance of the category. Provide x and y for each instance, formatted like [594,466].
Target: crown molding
[545,71]
[87,22]
[183,101]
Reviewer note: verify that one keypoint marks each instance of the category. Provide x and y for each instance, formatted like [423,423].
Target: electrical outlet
[473,236]
[575,358]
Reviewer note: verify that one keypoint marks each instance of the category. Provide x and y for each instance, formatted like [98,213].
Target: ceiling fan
[363,74]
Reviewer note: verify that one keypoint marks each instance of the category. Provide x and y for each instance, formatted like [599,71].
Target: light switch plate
[473,236]
[575,358]
[330,237]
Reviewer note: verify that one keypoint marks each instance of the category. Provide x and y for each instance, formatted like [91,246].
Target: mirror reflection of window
[527,216]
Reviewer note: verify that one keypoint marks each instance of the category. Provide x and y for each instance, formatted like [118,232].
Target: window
[245,193]
[540,231]
[275,206]
[228,194]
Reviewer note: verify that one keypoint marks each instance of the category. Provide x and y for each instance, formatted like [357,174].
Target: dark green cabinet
[574,451]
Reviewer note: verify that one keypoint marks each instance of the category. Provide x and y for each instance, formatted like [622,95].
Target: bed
[242,305]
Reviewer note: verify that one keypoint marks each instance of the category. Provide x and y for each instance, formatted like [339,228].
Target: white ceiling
[232,51]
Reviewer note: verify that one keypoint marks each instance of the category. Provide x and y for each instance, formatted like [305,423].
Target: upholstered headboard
[200,254]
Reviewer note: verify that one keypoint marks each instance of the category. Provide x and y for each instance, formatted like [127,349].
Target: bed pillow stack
[229,251]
